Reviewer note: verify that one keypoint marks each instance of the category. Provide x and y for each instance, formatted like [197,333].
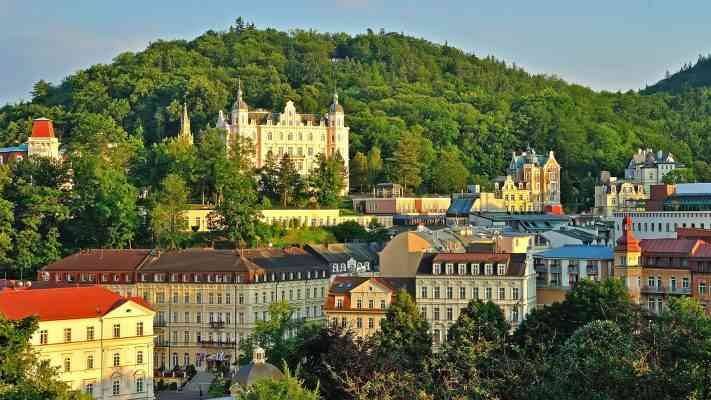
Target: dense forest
[390,85]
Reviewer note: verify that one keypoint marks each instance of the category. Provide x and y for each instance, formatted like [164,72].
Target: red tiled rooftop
[703,250]
[693,233]
[100,260]
[676,246]
[61,303]
[42,128]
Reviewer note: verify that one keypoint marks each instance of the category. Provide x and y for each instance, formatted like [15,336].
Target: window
[371,324]
[117,359]
[702,288]
[488,269]
[89,362]
[359,322]
[449,313]
[43,336]
[139,328]
[423,292]
[514,314]
[186,337]
[241,299]
[359,303]
[198,317]
[139,357]
[650,281]
[514,293]
[227,298]
[449,293]
[423,312]
[117,330]
[89,389]
[67,335]
[382,304]
[449,268]
[488,293]
[339,303]
[436,314]
[462,293]
[462,269]
[89,333]
[139,385]
[67,364]
[198,298]
[436,269]
[685,283]
[116,387]
[436,292]
[502,293]
[475,293]
[370,304]
[500,269]
[436,336]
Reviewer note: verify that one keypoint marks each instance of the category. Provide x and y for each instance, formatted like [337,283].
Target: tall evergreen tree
[168,220]
[289,183]
[407,163]
[375,166]
[359,172]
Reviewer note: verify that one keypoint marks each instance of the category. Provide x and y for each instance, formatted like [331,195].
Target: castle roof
[42,128]
[627,242]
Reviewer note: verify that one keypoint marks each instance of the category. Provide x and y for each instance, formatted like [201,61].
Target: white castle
[302,136]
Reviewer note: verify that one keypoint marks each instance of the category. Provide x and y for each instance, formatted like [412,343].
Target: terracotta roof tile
[42,128]
[61,303]
[676,246]
[100,260]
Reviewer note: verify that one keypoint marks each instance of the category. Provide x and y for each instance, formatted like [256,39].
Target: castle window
[291,136]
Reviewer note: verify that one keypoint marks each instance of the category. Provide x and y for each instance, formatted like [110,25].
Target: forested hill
[478,109]
[696,76]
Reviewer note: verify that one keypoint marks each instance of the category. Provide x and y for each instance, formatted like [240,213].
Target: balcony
[217,324]
[218,343]
[666,290]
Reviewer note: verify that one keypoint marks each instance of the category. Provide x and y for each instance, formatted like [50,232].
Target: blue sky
[604,44]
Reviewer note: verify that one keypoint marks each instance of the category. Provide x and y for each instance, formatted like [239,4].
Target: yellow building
[203,218]
[613,195]
[101,342]
[539,175]
[516,198]
[359,304]
[206,300]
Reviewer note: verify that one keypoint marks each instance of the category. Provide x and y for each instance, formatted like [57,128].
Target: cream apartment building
[101,342]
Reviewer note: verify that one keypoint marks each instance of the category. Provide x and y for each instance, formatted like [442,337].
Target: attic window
[500,269]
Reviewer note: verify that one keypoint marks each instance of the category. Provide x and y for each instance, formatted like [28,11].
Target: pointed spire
[240,104]
[185,134]
[335,107]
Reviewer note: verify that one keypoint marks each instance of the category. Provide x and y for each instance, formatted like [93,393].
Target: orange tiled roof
[61,303]
[42,128]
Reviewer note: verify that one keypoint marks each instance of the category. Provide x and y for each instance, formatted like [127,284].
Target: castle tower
[240,110]
[626,260]
[42,142]
[185,135]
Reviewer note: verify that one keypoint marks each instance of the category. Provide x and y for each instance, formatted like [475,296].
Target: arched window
[117,359]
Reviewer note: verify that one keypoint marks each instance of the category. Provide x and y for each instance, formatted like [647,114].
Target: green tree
[449,174]
[269,179]
[679,175]
[103,205]
[168,220]
[288,388]
[272,334]
[403,342]
[479,321]
[375,166]
[7,218]
[359,171]
[407,162]
[289,182]
[328,180]
[239,208]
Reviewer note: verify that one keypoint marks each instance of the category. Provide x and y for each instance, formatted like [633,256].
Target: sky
[604,44]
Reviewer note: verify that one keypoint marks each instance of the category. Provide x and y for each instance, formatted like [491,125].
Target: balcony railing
[666,290]
[217,324]
[218,343]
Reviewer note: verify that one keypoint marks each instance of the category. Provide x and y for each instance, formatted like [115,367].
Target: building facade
[612,195]
[101,342]
[359,304]
[41,143]
[538,174]
[302,136]
[447,282]
[648,167]
[559,269]
[661,224]
[206,300]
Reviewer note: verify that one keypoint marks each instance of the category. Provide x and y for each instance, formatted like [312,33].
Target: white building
[302,136]
[661,224]
[648,167]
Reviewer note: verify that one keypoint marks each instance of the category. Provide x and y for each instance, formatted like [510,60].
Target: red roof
[42,128]
[627,242]
[100,260]
[675,246]
[703,250]
[61,303]
[693,233]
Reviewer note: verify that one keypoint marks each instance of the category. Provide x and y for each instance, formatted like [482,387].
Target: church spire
[185,134]
[335,107]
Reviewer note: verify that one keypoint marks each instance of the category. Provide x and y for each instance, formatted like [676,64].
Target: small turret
[185,135]
[240,109]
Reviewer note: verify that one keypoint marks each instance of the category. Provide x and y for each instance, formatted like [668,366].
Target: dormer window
[500,269]
[436,269]
[488,269]
[462,269]
[449,268]
[476,269]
